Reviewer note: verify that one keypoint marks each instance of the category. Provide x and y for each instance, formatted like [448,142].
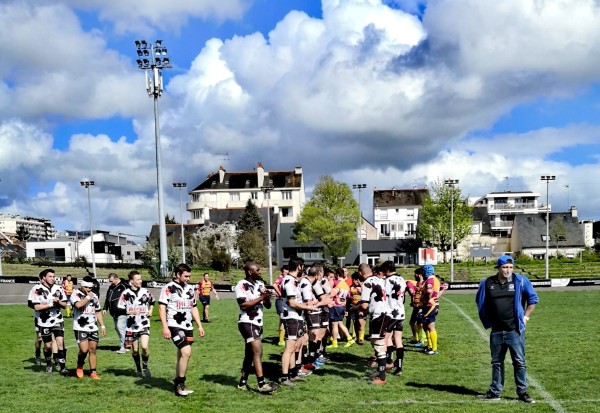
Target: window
[544,238]
[267,194]
[393,227]
[385,230]
[286,194]
[234,196]
[286,212]
[253,195]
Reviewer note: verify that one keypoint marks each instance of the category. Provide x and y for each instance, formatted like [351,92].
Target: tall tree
[330,218]
[434,218]
[251,219]
[251,241]
[22,233]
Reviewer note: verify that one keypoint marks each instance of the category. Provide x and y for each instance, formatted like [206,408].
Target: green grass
[562,339]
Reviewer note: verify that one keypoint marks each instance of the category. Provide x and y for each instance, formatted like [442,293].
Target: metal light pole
[450,183]
[547,178]
[181,185]
[266,190]
[87,185]
[359,239]
[152,58]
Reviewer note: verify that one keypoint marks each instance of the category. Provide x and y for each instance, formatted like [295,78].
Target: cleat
[332,346]
[397,372]
[419,344]
[181,391]
[304,372]
[79,372]
[389,366]
[94,376]
[488,396]
[267,388]
[298,378]
[413,341]
[64,372]
[139,374]
[287,382]
[525,398]
[360,342]
[49,369]
[122,350]
[349,343]
[377,381]
[147,373]
[281,344]
[432,353]
[37,361]
[243,386]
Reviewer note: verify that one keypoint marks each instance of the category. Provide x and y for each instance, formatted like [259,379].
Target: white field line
[460,402]
[547,396]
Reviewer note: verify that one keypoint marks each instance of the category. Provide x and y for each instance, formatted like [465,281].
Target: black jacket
[112,298]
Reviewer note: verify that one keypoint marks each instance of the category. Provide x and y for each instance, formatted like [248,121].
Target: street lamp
[266,190]
[547,178]
[450,183]
[181,185]
[359,239]
[87,185]
[151,59]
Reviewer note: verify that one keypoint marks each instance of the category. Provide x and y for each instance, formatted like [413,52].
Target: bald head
[365,271]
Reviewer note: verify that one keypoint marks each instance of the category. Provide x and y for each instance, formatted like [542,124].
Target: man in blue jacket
[505,302]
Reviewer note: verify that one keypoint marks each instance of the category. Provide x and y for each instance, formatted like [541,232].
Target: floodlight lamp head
[158,43]
[140,64]
[144,44]
[137,44]
[140,53]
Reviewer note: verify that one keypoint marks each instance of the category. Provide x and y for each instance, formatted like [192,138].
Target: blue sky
[495,91]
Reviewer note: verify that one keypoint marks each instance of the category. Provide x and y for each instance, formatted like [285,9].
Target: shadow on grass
[341,364]
[152,383]
[108,347]
[448,388]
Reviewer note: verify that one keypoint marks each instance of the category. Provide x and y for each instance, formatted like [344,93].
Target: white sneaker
[122,350]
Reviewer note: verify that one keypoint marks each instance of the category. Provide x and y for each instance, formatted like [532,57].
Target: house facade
[231,190]
[37,228]
[503,207]
[396,212]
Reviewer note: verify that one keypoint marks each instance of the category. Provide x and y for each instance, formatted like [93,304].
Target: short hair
[388,266]
[355,276]
[315,270]
[181,268]
[112,275]
[46,272]
[295,262]
[419,271]
[340,272]
[285,268]
[89,279]
[328,271]
[132,273]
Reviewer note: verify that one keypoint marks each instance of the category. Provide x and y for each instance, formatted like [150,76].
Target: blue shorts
[336,313]
[205,300]
[432,316]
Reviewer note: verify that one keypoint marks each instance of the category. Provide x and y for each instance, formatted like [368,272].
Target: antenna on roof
[224,156]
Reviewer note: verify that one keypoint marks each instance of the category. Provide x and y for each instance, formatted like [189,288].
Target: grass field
[563,366]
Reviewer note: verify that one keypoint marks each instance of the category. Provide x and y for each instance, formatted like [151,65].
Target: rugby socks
[433,340]
[399,358]
[428,335]
[145,362]
[136,359]
[48,356]
[38,352]
[389,352]
[381,362]
[261,381]
[62,358]
[281,334]
[81,360]
[361,335]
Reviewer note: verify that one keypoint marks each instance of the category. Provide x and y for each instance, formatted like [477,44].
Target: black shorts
[313,321]
[413,315]
[181,337]
[357,315]
[324,316]
[378,327]
[205,300]
[294,329]
[47,332]
[81,336]
[394,325]
[336,313]
[131,336]
[250,332]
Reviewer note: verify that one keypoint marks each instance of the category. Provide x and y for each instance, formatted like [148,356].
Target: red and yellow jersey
[204,287]
[415,290]
[355,292]
[431,293]
[68,287]
[342,291]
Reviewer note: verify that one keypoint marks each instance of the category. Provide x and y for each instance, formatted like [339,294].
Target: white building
[502,207]
[232,190]
[38,228]
[396,212]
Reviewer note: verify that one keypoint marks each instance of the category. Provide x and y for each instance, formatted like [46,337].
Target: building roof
[248,180]
[531,227]
[399,197]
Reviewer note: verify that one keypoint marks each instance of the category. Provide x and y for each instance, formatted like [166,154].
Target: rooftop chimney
[221,174]
[260,174]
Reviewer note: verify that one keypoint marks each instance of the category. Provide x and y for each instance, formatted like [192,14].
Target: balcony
[501,224]
[513,206]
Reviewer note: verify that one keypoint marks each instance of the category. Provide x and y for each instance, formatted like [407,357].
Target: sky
[396,93]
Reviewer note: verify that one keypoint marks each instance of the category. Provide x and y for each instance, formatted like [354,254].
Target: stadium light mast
[267,189]
[359,238]
[547,178]
[87,185]
[152,58]
[181,185]
[450,183]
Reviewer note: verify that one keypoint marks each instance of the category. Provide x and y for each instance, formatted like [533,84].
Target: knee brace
[379,350]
